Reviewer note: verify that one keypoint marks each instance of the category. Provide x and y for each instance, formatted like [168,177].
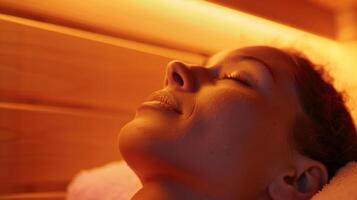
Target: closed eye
[238,78]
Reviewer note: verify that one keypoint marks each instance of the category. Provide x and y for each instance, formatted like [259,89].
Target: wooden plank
[35,196]
[167,23]
[64,95]
[336,6]
[98,16]
[42,66]
[40,151]
[302,14]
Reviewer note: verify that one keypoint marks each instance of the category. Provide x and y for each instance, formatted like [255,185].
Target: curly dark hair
[327,132]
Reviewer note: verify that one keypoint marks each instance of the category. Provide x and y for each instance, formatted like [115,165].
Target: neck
[167,190]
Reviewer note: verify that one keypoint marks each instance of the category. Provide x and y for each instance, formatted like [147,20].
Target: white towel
[116,181]
[342,187]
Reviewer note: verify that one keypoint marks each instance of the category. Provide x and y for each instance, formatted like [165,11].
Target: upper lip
[166,98]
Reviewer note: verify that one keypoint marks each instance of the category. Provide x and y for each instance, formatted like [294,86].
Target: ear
[301,182]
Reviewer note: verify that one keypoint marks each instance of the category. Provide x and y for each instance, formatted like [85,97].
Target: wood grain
[64,95]
[301,14]
[36,196]
[39,66]
[41,151]
[98,16]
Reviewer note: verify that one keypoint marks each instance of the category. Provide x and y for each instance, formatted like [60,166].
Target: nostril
[177,78]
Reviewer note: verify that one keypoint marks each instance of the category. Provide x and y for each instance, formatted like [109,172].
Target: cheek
[226,124]
[231,111]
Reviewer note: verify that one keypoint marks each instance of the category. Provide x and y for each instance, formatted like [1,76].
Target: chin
[144,145]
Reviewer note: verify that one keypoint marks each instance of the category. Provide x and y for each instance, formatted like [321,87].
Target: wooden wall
[69,80]
[64,95]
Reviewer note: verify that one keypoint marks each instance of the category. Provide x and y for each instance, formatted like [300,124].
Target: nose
[180,76]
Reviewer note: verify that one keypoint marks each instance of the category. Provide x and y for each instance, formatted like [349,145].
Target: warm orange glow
[192,26]
[72,71]
[346,72]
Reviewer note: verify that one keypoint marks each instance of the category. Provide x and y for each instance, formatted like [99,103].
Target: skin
[232,138]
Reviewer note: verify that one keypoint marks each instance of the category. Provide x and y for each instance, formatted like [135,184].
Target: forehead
[279,62]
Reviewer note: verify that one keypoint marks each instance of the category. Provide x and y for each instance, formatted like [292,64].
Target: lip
[163,100]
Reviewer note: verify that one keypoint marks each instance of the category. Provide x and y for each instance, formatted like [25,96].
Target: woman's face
[224,128]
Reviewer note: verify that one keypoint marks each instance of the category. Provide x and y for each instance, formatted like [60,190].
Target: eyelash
[238,78]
